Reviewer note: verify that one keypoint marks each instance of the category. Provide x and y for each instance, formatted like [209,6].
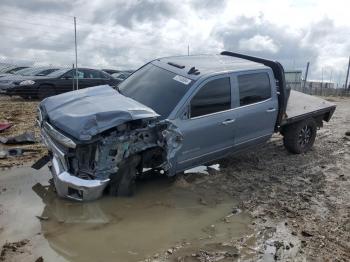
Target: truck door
[208,127]
[257,107]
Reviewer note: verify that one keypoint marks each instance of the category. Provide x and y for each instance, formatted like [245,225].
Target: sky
[126,34]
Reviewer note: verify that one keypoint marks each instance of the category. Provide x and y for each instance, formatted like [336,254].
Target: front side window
[69,75]
[214,96]
[253,88]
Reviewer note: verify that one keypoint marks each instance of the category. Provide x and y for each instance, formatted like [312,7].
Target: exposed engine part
[155,142]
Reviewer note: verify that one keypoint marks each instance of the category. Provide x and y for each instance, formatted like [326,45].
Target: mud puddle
[160,217]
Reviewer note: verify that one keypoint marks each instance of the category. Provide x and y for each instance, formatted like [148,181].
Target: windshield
[24,71]
[14,70]
[156,88]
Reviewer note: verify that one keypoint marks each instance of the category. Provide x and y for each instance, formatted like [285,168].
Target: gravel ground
[300,204]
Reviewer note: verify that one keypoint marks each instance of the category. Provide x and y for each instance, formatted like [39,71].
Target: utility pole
[76,51]
[347,76]
[73,78]
[305,77]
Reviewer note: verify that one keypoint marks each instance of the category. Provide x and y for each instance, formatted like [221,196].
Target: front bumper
[68,185]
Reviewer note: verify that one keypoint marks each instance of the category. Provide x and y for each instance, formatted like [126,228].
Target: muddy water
[159,216]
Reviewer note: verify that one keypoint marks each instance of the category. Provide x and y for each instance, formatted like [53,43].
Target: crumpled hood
[90,111]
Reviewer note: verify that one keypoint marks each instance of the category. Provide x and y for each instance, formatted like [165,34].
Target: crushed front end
[82,169]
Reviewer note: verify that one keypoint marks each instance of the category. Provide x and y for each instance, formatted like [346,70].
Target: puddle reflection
[129,229]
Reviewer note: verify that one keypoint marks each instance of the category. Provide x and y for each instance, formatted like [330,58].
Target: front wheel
[300,137]
[123,182]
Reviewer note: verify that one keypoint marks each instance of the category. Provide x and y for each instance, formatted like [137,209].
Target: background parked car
[13,80]
[122,75]
[110,71]
[11,70]
[58,82]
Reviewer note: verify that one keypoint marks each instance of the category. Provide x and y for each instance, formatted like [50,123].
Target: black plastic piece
[193,71]
[278,72]
[41,162]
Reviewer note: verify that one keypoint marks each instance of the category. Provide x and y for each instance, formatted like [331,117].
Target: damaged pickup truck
[170,115]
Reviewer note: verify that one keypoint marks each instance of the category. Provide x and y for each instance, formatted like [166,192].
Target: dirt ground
[22,115]
[299,204]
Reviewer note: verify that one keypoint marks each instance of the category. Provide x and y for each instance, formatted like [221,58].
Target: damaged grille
[101,157]
[82,162]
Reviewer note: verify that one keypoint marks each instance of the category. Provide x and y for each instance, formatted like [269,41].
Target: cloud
[208,5]
[258,36]
[126,34]
[133,12]
[39,6]
[258,43]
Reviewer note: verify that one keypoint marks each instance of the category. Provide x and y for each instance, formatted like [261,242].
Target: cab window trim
[250,73]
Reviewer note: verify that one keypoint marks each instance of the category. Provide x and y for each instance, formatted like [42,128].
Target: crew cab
[170,115]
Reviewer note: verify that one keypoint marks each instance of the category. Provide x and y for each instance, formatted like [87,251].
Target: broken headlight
[62,139]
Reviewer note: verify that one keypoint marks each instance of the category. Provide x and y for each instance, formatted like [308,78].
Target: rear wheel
[300,137]
[123,182]
[45,91]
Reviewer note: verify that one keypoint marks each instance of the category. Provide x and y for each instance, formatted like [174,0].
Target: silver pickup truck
[170,115]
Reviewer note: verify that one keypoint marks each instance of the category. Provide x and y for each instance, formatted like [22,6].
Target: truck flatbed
[301,106]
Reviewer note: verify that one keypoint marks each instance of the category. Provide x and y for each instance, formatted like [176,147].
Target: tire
[300,137]
[45,91]
[123,182]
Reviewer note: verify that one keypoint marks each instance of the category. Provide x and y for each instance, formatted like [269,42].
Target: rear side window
[253,88]
[46,72]
[214,96]
[92,74]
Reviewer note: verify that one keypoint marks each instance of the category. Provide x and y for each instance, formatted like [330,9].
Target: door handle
[228,121]
[271,110]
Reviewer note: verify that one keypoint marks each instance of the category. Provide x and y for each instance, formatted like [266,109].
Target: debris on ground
[42,218]
[4,126]
[39,259]
[22,115]
[15,152]
[8,249]
[25,138]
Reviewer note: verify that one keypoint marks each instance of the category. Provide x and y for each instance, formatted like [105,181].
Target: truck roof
[206,64]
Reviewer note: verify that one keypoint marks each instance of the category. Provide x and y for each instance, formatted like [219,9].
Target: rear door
[208,126]
[257,107]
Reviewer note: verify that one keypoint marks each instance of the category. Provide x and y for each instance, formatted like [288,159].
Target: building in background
[319,84]
[293,79]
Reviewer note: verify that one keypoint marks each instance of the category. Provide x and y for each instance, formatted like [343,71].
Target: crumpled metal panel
[93,110]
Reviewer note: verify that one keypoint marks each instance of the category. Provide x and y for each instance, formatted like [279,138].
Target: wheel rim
[305,136]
